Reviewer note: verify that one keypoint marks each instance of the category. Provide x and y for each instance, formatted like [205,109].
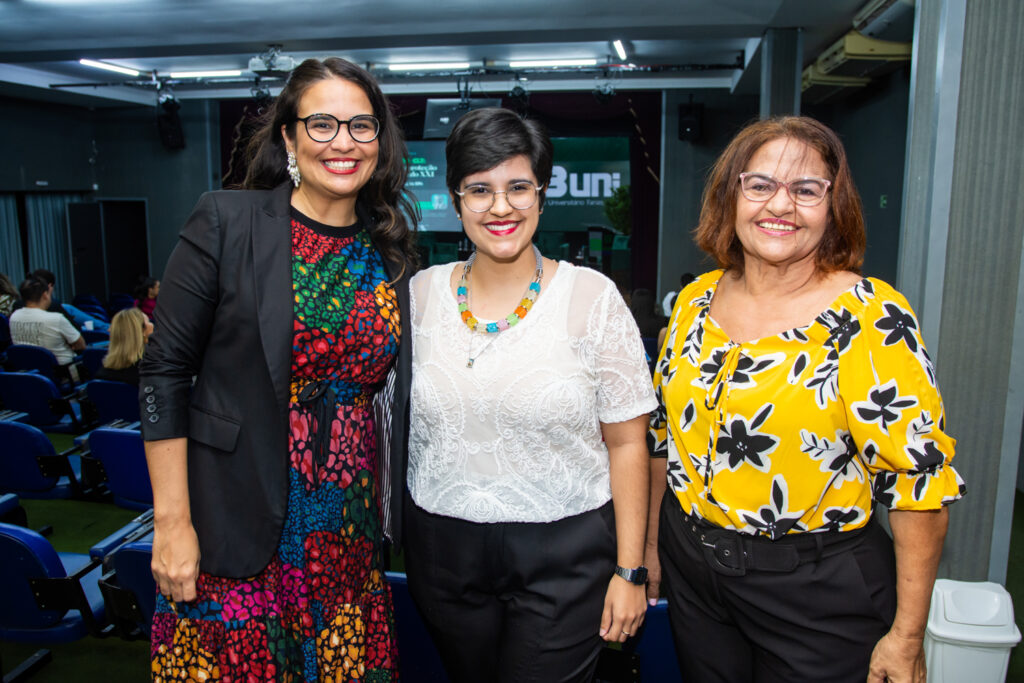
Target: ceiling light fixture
[206,74]
[429,66]
[552,62]
[619,49]
[108,67]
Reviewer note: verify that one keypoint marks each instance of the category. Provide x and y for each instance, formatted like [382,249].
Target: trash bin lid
[972,612]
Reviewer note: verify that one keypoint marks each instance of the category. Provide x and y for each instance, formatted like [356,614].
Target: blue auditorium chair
[655,646]
[130,590]
[92,358]
[120,301]
[93,337]
[48,597]
[420,661]
[123,457]
[11,511]
[28,358]
[38,396]
[5,333]
[86,300]
[138,529]
[32,468]
[94,311]
[113,400]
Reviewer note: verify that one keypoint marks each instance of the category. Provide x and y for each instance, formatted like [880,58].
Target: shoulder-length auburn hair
[384,195]
[842,247]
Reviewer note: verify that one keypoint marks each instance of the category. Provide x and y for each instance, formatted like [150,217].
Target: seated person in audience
[8,295]
[36,326]
[145,295]
[129,333]
[55,305]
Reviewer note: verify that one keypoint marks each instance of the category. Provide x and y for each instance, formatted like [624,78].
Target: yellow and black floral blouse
[802,430]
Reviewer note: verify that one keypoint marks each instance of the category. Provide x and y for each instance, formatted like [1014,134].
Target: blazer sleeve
[189,294]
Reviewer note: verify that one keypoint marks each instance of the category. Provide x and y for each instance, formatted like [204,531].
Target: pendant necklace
[492,329]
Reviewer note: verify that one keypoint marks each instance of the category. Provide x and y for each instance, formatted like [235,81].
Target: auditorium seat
[92,358]
[28,358]
[49,597]
[655,647]
[32,468]
[119,301]
[130,590]
[420,661]
[123,457]
[38,396]
[95,337]
[11,511]
[5,333]
[113,400]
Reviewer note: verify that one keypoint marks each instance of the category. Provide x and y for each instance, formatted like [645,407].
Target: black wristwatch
[637,576]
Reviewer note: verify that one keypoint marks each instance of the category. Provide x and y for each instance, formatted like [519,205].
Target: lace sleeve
[624,388]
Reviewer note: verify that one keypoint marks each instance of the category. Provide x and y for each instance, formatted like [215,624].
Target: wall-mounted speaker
[168,124]
[691,118]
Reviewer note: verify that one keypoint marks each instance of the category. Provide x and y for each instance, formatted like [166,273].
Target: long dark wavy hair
[383,197]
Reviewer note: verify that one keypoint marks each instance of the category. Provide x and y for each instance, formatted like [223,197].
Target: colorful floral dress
[321,610]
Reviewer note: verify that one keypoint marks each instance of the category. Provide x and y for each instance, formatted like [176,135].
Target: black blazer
[225,316]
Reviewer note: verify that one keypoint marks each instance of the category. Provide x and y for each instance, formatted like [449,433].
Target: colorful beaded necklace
[462,296]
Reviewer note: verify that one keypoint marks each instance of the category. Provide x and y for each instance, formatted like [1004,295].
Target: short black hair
[484,138]
[45,275]
[33,289]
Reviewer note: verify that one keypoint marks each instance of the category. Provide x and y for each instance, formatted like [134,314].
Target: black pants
[818,622]
[515,602]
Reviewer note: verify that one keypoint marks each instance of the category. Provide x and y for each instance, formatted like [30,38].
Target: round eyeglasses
[758,187]
[480,198]
[324,127]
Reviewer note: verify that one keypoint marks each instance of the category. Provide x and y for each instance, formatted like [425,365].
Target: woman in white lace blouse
[527,433]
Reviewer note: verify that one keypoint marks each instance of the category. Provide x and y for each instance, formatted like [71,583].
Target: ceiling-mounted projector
[272,65]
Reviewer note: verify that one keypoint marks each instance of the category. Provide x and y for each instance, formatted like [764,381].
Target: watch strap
[636,576]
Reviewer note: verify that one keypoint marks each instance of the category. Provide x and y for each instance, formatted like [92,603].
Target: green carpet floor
[77,525]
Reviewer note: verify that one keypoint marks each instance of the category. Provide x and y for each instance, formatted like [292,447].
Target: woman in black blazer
[277,474]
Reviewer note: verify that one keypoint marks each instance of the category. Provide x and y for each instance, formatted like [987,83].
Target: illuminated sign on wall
[586,171]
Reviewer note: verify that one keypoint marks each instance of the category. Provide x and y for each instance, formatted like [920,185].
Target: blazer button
[151,399]
[150,409]
[154,418]
[148,389]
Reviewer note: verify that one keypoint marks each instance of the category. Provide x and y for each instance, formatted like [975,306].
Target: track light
[206,74]
[552,62]
[429,66]
[619,49]
[108,67]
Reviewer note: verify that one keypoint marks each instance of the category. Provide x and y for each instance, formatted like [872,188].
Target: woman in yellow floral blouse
[794,397]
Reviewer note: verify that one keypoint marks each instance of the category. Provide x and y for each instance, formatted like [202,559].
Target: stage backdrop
[586,171]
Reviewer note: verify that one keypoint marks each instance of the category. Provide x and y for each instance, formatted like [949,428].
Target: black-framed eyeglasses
[325,127]
[520,195]
[760,187]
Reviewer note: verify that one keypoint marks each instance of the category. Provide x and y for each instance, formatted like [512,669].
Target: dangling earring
[293,169]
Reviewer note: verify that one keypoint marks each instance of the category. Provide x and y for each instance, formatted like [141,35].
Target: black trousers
[818,622]
[512,602]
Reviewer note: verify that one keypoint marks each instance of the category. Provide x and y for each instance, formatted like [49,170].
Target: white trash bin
[970,632]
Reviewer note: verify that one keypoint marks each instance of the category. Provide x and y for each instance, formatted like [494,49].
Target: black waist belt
[731,553]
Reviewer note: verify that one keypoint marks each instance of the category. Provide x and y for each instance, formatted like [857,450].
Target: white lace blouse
[517,437]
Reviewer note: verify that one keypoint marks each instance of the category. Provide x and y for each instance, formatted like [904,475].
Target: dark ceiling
[688,44]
